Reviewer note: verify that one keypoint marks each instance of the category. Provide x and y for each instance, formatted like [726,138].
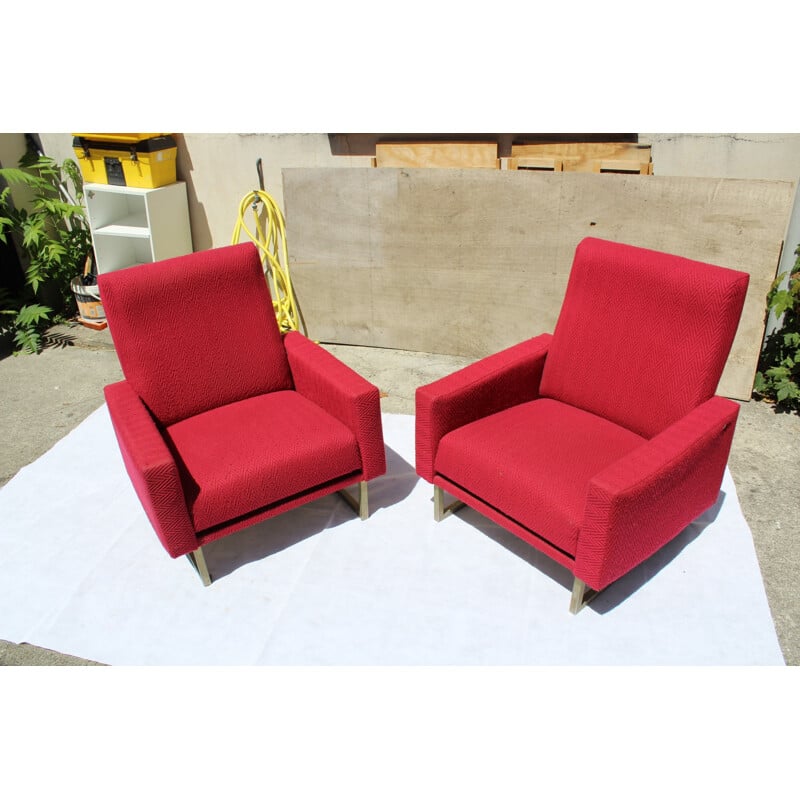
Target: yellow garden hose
[270,238]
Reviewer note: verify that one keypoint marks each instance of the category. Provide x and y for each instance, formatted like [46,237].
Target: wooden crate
[441,155]
[620,157]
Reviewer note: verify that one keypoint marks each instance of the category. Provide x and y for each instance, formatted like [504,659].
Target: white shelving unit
[132,226]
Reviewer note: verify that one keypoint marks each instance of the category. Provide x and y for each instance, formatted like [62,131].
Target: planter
[90,308]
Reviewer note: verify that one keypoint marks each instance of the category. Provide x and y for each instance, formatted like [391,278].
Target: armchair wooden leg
[198,561]
[360,506]
[440,511]
[582,595]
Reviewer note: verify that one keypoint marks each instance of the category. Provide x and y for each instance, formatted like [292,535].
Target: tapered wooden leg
[198,560]
[360,506]
[582,595]
[440,511]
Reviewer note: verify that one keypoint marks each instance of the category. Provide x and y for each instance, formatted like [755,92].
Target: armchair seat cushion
[534,462]
[249,454]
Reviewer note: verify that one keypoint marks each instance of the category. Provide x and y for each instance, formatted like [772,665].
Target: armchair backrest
[643,336]
[196,332]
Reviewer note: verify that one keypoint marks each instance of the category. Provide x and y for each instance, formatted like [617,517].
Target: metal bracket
[360,506]
[582,595]
[440,511]
[198,561]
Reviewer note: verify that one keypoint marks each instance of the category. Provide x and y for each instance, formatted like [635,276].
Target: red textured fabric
[643,336]
[212,432]
[490,385]
[504,521]
[151,468]
[196,332]
[618,443]
[344,394]
[280,507]
[240,457]
[640,502]
[534,461]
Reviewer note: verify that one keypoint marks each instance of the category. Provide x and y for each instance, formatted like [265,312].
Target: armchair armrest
[492,384]
[152,469]
[643,500]
[343,393]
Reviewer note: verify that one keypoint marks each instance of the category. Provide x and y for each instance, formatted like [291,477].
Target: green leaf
[777,373]
[33,275]
[33,314]
[55,251]
[781,302]
[27,339]
[33,230]
[788,390]
[13,175]
[775,284]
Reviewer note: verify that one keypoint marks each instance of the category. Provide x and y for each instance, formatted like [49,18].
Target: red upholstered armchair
[599,443]
[221,420]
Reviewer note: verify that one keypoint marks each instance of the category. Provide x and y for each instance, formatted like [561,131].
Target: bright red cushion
[533,462]
[241,457]
[189,346]
[642,336]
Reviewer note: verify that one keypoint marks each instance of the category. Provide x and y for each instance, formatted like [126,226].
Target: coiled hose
[270,238]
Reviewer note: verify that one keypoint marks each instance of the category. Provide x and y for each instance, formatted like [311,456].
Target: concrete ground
[45,396]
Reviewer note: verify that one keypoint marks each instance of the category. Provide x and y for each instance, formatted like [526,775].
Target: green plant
[53,238]
[23,322]
[778,376]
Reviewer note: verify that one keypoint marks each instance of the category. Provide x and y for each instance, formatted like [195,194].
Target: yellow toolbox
[143,160]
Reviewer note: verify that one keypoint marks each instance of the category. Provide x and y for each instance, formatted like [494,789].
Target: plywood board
[467,262]
[442,155]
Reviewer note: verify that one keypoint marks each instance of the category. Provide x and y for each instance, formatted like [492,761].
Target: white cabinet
[134,226]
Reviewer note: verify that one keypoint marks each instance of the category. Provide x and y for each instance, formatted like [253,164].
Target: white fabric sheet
[82,572]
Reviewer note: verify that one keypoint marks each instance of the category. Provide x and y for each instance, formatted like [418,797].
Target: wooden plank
[544,163]
[583,156]
[442,155]
[620,165]
[467,262]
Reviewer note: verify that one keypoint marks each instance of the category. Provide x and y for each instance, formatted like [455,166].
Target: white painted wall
[220,170]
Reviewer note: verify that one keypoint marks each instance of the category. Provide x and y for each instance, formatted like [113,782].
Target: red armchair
[221,420]
[599,443]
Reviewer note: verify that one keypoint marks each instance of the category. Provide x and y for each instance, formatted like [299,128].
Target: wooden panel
[447,155]
[466,262]
[586,156]
[543,163]
[621,165]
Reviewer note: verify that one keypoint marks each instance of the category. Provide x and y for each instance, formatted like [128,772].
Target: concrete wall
[763,156]
[220,169]
[12,148]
